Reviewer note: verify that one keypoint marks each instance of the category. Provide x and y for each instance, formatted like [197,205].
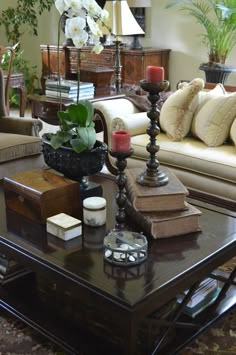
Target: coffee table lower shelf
[23,300]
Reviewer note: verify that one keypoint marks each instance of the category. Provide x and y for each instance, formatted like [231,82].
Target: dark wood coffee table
[87,306]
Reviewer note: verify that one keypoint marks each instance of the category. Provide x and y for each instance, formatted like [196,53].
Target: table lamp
[138,7]
[122,23]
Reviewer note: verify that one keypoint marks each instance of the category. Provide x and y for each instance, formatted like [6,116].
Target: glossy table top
[172,264]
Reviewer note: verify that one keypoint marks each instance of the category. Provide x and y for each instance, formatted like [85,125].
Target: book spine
[58,94]
[68,86]
[130,192]
[71,95]
[144,223]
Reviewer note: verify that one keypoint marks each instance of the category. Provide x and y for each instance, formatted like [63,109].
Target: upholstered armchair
[20,144]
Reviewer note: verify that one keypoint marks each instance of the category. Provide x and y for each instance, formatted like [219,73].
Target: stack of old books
[68,89]
[161,211]
[203,297]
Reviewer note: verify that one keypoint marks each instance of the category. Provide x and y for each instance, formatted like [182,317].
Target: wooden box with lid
[40,193]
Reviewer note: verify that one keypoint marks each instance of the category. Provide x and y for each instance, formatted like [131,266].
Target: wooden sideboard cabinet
[134,62]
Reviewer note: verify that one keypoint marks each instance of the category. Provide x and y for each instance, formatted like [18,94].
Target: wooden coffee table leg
[131,338]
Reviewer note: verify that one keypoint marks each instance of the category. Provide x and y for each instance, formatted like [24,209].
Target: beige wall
[164,29]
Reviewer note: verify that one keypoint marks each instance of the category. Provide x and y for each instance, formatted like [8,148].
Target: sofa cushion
[15,146]
[191,155]
[205,95]
[233,132]
[135,123]
[214,117]
[177,111]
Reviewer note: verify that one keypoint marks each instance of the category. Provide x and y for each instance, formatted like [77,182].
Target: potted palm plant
[218,19]
[73,150]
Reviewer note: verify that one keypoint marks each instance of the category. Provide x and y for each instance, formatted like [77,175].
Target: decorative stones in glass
[125,248]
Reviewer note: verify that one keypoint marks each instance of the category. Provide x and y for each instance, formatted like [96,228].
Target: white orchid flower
[61,6]
[81,39]
[104,15]
[74,5]
[92,7]
[98,48]
[79,14]
[94,28]
[74,27]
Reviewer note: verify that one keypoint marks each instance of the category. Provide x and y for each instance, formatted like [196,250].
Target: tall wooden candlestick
[121,164]
[153,176]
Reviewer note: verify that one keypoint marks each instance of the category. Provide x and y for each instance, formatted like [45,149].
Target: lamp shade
[121,20]
[139,3]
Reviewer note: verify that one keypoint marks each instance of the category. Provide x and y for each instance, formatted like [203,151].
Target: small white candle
[94,211]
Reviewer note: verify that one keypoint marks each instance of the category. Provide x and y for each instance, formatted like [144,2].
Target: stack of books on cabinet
[162,211]
[68,89]
[10,270]
[203,297]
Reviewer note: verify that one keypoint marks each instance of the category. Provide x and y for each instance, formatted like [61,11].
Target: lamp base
[135,43]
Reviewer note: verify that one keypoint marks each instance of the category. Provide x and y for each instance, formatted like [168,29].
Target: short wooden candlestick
[153,176]
[121,164]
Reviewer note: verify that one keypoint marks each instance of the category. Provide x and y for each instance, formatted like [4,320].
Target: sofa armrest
[26,126]
[106,110]
[136,123]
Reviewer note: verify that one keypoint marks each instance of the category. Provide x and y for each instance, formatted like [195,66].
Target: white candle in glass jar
[94,211]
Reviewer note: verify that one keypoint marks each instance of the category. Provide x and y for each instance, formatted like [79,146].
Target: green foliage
[23,17]
[21,65]
[76,128]
[218,18]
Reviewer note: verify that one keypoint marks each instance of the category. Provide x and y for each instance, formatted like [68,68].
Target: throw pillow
[203,98]
[233,132]
[177,111]
[212,122]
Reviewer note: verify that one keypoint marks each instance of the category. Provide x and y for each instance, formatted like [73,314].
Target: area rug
[18,339]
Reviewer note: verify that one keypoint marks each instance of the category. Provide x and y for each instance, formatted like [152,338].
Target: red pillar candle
[154,74]
[120,141]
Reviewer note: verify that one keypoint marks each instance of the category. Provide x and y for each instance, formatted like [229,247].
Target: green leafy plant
[218,18]
[77,129]
[21,65]
[22,18]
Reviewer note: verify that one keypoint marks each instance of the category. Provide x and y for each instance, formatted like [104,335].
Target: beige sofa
[206,165]
[20,144]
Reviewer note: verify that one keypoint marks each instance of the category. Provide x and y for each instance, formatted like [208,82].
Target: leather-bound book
[165,224]
[170,197]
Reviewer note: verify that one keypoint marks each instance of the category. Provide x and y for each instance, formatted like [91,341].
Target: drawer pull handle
[45,110]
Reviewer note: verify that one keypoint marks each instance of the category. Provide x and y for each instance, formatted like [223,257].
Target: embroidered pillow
[233,132]
[203,98]
[177,111]
[212,122]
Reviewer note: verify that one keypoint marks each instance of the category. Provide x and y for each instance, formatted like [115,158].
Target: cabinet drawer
[89,59]
[45,110]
